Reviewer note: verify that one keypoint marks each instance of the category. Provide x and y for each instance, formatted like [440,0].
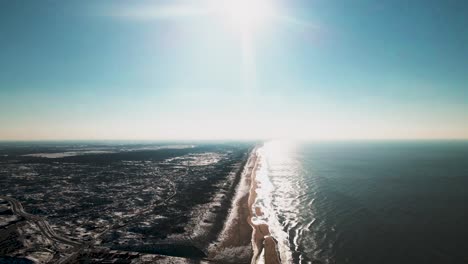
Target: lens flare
[247,16]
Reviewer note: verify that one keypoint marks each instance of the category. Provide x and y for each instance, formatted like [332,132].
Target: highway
[43,225]
[78,247]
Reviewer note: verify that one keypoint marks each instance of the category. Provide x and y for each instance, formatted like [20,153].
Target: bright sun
[247,16]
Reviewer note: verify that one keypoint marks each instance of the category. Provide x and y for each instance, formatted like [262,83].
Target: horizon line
[235,139]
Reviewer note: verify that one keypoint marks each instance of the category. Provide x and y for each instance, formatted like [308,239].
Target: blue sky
[134,70]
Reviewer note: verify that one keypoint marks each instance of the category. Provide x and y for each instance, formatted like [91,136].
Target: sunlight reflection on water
[276,155]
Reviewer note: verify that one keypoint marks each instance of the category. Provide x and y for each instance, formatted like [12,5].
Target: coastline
[242,240]
[264,245]
[234,242]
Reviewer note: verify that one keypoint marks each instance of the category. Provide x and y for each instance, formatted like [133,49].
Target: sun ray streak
[245,17]
[163,12]
[249,67]
[290,20]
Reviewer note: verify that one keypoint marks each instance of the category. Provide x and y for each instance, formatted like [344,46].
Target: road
[43,225]
[48,232]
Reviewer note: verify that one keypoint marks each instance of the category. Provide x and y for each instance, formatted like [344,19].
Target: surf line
[265,247]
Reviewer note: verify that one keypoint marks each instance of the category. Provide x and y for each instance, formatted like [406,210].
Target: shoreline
[264,245]
[234,242]
[241,240]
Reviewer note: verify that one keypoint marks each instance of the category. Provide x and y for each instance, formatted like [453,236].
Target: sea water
[366,202]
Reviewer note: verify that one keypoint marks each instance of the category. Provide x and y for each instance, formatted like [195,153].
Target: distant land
[87,202]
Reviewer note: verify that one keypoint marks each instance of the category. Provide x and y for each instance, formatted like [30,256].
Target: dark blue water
[370,202]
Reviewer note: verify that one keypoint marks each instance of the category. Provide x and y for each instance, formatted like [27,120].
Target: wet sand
[264,245]
[242,241]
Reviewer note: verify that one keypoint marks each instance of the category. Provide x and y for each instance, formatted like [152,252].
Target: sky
[196,69]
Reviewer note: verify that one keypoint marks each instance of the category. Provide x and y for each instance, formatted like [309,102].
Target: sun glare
[247,16]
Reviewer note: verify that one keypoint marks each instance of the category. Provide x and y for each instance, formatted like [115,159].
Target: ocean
[366,202]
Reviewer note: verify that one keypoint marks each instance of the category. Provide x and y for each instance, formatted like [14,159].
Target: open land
[127,203]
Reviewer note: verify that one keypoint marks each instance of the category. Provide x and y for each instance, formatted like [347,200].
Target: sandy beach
[242,241]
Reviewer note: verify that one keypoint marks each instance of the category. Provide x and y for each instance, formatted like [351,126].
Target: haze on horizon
[241,70]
